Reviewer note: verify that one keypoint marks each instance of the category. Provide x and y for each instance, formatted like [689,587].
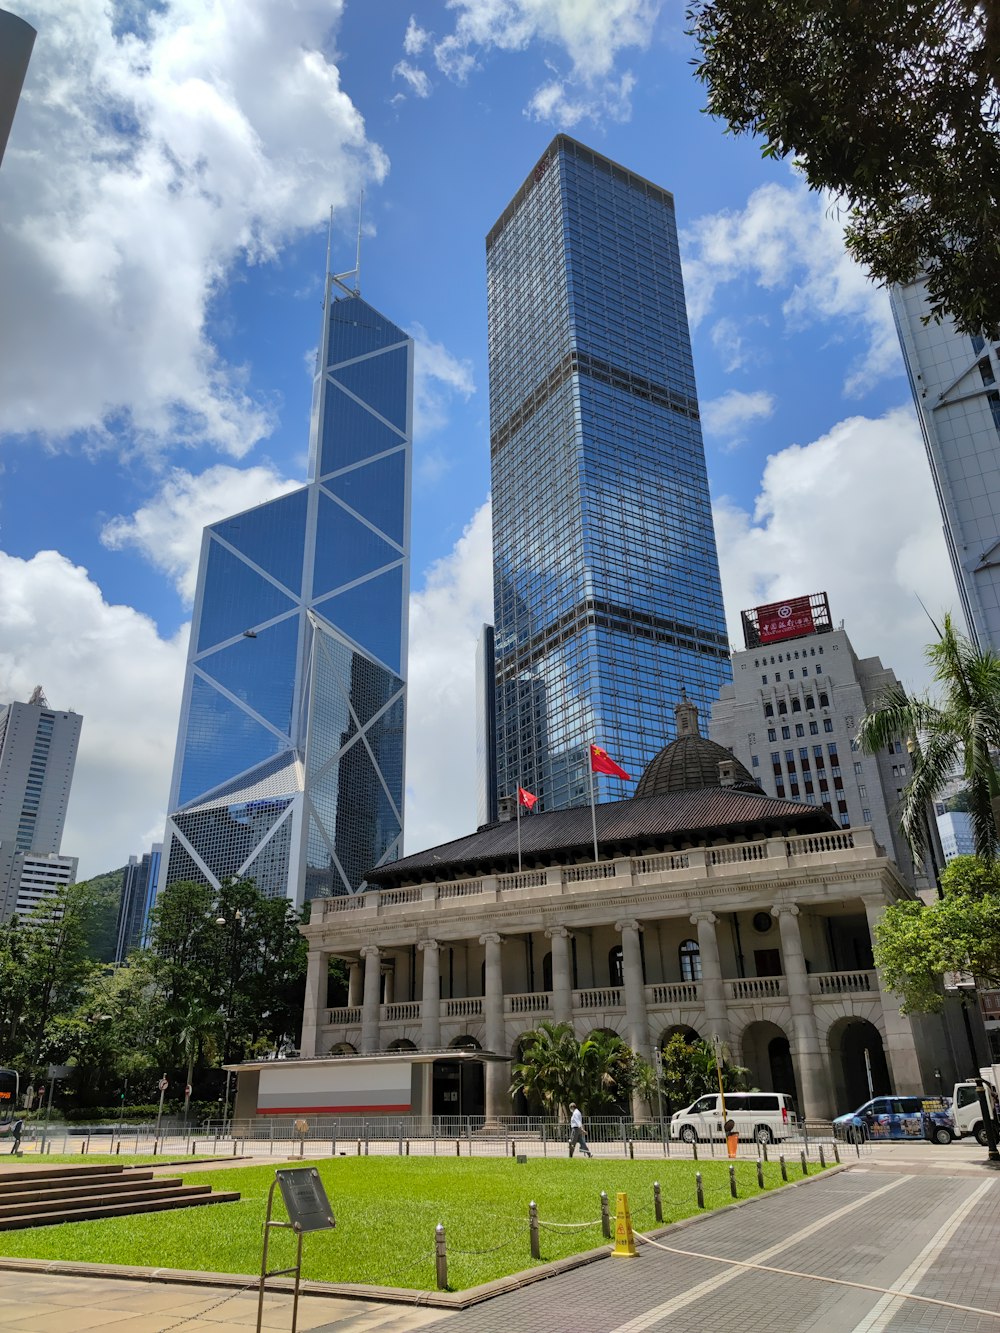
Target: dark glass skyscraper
[608,602]
[289,765]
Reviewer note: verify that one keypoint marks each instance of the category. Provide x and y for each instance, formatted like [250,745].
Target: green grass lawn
[387,1209]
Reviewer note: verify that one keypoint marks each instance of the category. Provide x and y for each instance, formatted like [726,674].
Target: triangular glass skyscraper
[290,751]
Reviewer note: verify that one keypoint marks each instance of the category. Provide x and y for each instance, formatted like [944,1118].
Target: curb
[444,1300]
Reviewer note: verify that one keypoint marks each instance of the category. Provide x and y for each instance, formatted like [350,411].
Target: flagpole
[518,828]
[593,805]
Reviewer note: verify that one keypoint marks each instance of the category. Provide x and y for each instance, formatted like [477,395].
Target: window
[764,680]
[755,761]
[813,728]
[824,699]
[791,675]
[810,701]
[777,675]
[858,768]
[827,724]
[772,735]
[832,747]
[799,729]
[845,821]
[782,707]
[786,733]
[862,791]
[790,757]
[796,706]
[616,966]
[776,758]
[804,755]
[769,710]
[866,815]
[690,960]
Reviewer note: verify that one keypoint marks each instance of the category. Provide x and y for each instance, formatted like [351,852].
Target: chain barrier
[239,1291]
[568,1226]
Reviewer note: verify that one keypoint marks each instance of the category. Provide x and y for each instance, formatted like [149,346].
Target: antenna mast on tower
[355,272]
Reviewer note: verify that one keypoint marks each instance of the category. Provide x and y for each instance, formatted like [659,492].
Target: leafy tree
[895,108]
[962,731]
[689,1071]
[916,944]
[599,1073]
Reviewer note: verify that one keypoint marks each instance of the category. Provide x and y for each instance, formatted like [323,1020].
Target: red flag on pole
[527,798]
[601,762]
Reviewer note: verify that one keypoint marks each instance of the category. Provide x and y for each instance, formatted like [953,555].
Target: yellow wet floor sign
[624,1239]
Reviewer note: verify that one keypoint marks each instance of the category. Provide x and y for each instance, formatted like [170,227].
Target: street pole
[717,1047]
[989,1124]
[658,1067]
[868,1072]
[159,1114]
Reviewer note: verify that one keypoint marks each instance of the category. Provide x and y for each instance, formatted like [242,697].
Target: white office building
[955,386]
[39,876]
[799,693]
[38,746]
[955,829]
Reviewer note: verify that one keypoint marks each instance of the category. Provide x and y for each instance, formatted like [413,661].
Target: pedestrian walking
[577,1138]
[16,1130]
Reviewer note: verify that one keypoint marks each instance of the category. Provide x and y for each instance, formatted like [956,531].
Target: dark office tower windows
[608,604]
[289,766]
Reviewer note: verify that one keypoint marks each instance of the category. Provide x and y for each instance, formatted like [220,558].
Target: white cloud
[788,240]
[725,417]
[731,343]
[143,165]
[416,37]
[852,513]
[590,33]
[446,616]
[438,377]
[109,664]
[419,83]
[167,530]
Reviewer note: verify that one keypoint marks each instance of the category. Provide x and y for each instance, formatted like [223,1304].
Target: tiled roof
[622,827]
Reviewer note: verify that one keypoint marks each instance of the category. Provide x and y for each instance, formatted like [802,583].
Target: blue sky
[163,206]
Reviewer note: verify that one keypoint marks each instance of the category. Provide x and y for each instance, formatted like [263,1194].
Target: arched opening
[343,1048]
[459,1087]
[401,1044]
[678,1030]
[616,966]
[850,1040]
[768,1056]
[689,956]
[547,972]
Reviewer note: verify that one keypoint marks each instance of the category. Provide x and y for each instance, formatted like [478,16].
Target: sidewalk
[40,1303]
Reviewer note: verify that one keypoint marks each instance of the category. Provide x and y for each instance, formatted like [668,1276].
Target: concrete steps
[48,1196]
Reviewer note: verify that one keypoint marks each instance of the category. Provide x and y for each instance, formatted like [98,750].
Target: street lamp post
[966,990]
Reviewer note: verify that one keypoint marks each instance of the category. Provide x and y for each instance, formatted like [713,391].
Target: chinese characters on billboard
[785,620]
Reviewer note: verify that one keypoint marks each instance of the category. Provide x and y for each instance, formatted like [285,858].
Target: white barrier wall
[292,1089]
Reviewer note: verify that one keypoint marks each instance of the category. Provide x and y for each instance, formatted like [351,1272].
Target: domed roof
[691,762]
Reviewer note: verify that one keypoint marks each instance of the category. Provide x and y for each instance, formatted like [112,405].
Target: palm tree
[549,1069]
[607,1073]
[195,1023]
[962,731]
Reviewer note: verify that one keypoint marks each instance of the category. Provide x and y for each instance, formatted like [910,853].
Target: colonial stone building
[714,909]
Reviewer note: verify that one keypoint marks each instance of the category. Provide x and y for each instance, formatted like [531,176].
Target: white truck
[965,1109]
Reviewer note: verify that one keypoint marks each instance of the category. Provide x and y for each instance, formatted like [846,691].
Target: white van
[766,1117]
[966,1112]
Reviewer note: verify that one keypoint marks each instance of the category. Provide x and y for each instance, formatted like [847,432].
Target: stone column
[900,1048]
[372,956]
[562,977]
[353,985]
[713,988]
[497,1074]
[389,992]
[430,1007]
[811,1063]
[635,988]
[315,1001]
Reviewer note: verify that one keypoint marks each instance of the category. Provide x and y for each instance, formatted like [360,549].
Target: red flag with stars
[601,762]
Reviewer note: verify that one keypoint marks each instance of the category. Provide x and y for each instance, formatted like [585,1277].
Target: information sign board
[305,1199]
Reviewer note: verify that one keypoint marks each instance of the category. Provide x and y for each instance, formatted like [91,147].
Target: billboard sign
[785,620]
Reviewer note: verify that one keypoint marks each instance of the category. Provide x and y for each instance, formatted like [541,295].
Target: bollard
[836,1152]
[536,1252]
[805,1164]
[760,1174]
[699,1189]
[822,1158]
[458,1147]
[441,1258]
[732,1181]
[763,1149]
[694,1150]
[605,1216]
[154,1147]
[657,1201]
[784,1167]
[513,1148]
[631,1150]
[118,1150]
[407,1147]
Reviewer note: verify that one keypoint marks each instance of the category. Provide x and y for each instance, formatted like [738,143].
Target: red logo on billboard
[785,620]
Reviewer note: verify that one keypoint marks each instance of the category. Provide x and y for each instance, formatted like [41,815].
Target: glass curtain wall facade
[290,755]
[955,382]
[608,601]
